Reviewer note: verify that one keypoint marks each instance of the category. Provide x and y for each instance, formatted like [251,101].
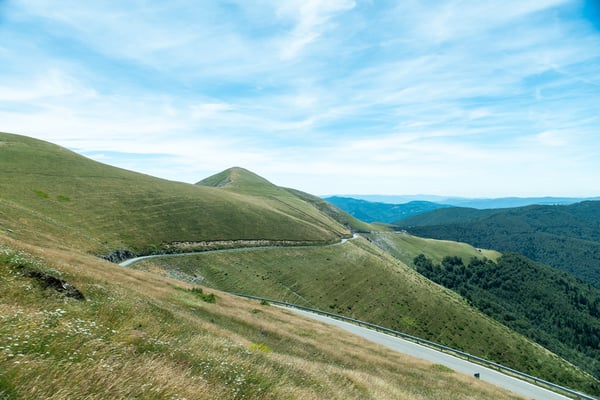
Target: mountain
[479,203]
[565,237]
[306,206]
[242,180]
[382,212]
[51,196]
[83,327]
[341,216]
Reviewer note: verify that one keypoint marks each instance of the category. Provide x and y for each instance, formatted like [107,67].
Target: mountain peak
[238,178]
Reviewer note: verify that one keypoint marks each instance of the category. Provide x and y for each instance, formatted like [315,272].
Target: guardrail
[469,357]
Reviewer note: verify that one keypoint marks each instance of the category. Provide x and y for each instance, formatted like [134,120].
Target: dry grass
[137,336]
[362,281]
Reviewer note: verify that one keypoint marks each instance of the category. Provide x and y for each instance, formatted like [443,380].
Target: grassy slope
[549,306]
[49,195]
[406,247]
[336,213]
[565,237]
[138,335]
[55,198]
[241,181]
[360,280]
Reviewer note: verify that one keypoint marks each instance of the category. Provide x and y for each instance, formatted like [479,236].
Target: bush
[207,297]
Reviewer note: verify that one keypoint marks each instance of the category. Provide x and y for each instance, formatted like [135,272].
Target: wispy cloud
[448,97]
[312,18]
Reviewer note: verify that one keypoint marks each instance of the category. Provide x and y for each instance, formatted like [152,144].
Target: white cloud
[208,110]
[51,84]
[312,19]
[453,96]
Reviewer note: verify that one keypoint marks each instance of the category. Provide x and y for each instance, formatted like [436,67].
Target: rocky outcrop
[118,255]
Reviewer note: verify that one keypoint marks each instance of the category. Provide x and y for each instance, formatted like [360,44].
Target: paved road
[522,388]
[528,390]
[130,261]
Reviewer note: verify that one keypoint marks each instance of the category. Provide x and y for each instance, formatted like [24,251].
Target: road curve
[130,261]
[517,386]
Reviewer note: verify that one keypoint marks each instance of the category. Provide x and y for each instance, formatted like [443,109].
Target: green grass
[50,195]
[406,247]
[144,336]
[361,281]
[301,205]
[141,336]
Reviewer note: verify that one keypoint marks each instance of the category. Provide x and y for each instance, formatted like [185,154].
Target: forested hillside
[564,237]
[551,307]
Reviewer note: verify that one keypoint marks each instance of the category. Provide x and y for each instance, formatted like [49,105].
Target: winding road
[515,385]
[130,261]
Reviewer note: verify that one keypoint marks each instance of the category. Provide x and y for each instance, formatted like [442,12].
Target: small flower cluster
[81,327]
[13,344]
[159,342]
[233,374]
[20,259]
[48,333]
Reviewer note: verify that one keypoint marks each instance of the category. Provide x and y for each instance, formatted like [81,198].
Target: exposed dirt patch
[48,281]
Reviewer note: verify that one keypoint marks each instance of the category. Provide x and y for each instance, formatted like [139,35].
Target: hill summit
[234,176]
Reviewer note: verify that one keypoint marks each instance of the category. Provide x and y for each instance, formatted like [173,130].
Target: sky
[473,98]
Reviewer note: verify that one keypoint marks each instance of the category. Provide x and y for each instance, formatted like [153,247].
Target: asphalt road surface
[126,263]
[522,388]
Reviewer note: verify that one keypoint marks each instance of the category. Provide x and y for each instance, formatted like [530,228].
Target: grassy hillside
[99,328]
[565,237]
[362,281]
[382,212]
[49,195]
[406,247]
[300,205]
[548,306]
[138,335]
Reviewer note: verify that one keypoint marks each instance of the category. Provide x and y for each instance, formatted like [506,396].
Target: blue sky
[468,98]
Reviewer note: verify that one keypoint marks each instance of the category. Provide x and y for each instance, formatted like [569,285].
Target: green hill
[134,334]
[548,306]
[564,237]
[293,202]
[53,196]
[243,181]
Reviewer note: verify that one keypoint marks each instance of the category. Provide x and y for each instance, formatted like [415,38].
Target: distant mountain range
[382,212]
[479,203]
[561,232]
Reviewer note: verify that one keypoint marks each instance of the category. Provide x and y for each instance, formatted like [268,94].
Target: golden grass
[364,282]
[137,336]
